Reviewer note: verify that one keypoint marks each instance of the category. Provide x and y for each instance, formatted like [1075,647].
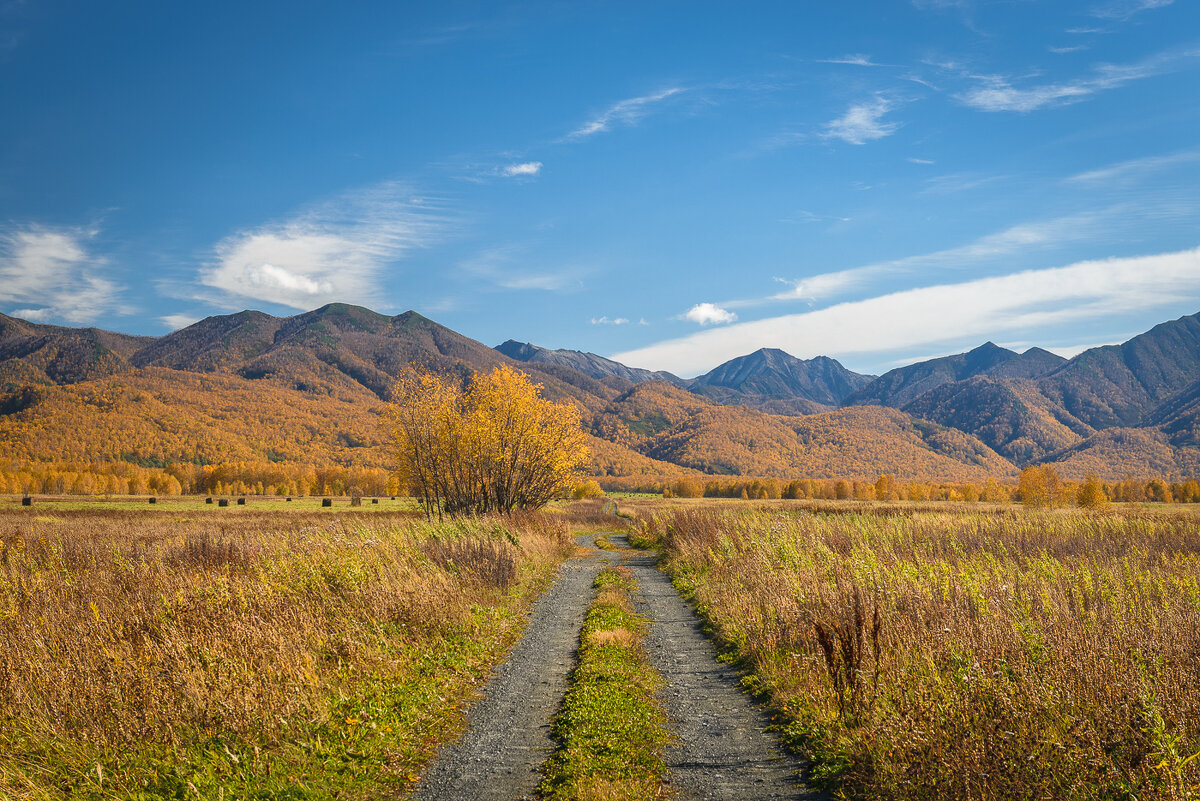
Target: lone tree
[492,446]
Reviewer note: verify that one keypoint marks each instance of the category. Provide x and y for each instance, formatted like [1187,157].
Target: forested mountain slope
[309,388]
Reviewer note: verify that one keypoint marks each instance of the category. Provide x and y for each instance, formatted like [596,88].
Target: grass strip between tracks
[611,731]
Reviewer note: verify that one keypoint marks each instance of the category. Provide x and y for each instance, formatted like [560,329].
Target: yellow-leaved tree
[1040,486]
[493,445]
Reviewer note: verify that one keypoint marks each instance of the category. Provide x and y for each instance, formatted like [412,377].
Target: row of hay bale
[27,500]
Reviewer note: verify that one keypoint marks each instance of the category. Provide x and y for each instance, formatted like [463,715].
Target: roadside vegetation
[252,655]
[611,731]
[958,653]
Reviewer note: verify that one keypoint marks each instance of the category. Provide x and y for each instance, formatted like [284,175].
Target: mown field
[959,652]
[269,651]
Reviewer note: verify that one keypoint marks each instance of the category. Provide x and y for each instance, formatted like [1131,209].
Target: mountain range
[310,387]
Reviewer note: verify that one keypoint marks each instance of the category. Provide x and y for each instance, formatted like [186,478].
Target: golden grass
[120,630]
[619,638]
[954,654]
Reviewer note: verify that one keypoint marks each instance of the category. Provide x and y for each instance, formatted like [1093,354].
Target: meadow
[268,651]
[958,651]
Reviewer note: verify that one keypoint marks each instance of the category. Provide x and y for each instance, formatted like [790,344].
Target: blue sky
[669,183]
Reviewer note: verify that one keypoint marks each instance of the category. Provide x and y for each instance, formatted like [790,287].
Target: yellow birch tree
[492,446]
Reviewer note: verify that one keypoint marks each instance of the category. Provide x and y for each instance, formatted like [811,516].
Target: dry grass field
[955,652]
[171,651]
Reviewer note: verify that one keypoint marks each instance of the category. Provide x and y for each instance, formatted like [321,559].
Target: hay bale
[153,499]
[27,501]
[289,500]
[208,500]
[223,502]
[374,500]
[241,501]
[326,502]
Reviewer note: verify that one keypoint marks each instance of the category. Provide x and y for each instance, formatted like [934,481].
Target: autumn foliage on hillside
[670,424]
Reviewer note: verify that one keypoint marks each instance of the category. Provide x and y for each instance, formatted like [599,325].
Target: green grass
[610,730]
[954,654]
[369,742]
[290,657]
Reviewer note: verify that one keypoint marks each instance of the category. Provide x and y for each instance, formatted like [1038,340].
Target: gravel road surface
[508,731]
[722,749]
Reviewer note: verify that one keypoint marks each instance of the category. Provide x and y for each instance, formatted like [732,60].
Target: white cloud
[1126,169]
[1116,222]
[174,322]
[806,216]
[547,282]
[986,307]
[504,266]
[53,276]
[1074,349]
[1014,239]
[527,170]
[829,285]
[709,314]
[626,112]
[862,123]
[333,252]
[998,94]
[1062,51]
[1124,9]
[920,161]
[857,60]
[607,321]
[959,182]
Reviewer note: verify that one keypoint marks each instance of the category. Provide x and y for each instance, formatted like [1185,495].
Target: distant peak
[521,351]
[773,353]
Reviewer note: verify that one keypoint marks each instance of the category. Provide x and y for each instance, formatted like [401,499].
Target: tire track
[508,732]
[722,749]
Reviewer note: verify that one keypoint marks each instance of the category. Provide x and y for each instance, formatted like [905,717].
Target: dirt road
[721,751]
[508,733]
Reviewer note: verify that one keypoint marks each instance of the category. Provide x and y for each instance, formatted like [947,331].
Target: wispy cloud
[998,94]
[1126,169]
[332,252]
[925,4]
[50,274]
[526,169]
[857,60]
[1061,51]
[830,285]
[504,266]
[626,112]
[1124,9]
[1019,238]
[862,123]
[806,216]
[991,307]
[610,321]
[709,314]
[920,161]
[1024,238]
[174,322]
[958,182]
